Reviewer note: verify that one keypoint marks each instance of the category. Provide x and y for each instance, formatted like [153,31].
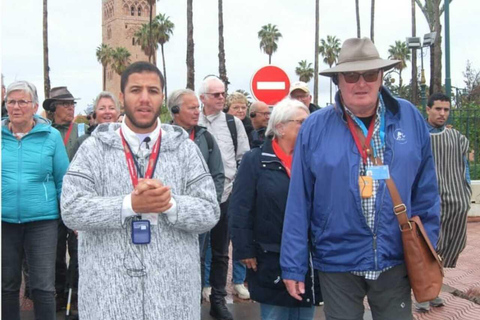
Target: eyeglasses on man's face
[353,77]
[216,95]
[21,103]
[65,104]
[265,114]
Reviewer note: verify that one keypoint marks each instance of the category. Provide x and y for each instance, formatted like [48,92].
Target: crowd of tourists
[146,211]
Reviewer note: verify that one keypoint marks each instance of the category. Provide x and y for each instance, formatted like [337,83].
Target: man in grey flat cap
[350,226]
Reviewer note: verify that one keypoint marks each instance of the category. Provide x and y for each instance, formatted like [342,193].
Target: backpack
[208,137]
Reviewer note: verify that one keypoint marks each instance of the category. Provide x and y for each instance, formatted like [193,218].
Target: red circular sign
[270,84]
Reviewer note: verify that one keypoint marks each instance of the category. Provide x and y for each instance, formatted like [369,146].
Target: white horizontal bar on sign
[271,85]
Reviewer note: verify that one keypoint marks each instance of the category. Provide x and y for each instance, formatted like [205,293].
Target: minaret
[120,20]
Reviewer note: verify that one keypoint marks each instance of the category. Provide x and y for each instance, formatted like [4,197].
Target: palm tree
[330,50]
[120,59]
[399,51]
[190,47]
[304,71]
[151,52]
[414,99]
[46,68]
[222,68]
[317,44]
[357,11]
[142,38]
[269,36]
[104,56]
[164,29]
[372,21]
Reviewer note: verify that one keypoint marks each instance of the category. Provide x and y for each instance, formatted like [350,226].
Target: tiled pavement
[457,282]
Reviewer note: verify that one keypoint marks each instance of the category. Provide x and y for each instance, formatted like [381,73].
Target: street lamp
[416,43]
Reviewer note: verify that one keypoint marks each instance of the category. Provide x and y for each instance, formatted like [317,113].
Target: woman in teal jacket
[34,162]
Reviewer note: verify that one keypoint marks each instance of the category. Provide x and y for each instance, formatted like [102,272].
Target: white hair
[206,83]
[26,87]
[176,98]
[107,95]
[282,112]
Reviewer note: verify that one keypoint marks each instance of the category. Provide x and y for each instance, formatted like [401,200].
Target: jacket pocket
[269,274]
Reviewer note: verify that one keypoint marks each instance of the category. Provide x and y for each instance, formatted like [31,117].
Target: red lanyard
[365,149]
[192,134]
[132,164]
[67,135]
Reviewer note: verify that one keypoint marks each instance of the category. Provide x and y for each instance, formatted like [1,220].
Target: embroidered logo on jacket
[400,136]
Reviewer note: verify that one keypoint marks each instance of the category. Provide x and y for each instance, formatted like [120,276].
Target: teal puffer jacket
[32,173]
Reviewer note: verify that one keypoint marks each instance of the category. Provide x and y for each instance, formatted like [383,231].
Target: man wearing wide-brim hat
[338,197]
[60,108]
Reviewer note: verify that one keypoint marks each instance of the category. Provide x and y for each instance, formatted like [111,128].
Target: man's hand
[151,196]
[295,288]
[251,263]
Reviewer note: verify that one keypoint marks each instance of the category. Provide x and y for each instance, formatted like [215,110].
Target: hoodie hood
[109,133]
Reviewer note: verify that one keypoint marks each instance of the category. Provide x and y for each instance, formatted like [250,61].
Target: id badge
[365,184]
[140,231]
[378,172]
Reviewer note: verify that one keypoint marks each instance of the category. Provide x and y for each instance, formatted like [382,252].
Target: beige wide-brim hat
[359,55]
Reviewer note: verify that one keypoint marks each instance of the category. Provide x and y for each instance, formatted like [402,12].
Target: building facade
[120,20]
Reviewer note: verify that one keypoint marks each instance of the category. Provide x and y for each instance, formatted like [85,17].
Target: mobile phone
[140,231]
[365,184]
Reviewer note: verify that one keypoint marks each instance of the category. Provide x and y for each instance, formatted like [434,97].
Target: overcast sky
[75,32]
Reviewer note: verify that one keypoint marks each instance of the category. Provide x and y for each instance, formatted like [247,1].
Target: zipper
[19,190]
[45,187]
[375,250]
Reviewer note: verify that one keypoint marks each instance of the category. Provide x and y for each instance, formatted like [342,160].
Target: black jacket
[256,212]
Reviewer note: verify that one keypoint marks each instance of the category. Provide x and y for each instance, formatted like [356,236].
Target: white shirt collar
[132,138]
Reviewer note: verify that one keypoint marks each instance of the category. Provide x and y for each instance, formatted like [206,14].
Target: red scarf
[284,158]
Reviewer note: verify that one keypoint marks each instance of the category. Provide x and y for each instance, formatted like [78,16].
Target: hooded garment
[119,280]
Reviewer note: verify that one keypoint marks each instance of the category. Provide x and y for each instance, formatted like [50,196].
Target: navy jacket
[325,197]
[256,213]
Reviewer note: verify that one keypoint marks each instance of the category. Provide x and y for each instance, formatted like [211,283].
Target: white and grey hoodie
[111,268]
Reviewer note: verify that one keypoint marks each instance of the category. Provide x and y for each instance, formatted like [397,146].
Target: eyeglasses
[353,77]
[216,95]
[265,114]
[21,103]
[300,96]
[65,104]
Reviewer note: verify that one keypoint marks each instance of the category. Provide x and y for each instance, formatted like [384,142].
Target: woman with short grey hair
[34,161]
[256,213]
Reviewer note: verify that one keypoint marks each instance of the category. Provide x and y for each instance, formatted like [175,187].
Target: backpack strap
[209,138]
[233,130]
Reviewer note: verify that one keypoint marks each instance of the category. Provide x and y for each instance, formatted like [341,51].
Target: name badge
[378,172]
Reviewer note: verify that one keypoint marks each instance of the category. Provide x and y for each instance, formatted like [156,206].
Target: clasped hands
[151,196]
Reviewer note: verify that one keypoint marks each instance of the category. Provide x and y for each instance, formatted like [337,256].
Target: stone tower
[120,20]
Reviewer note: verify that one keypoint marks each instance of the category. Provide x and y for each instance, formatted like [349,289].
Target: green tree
[142,38]
[269,36]
[433,10]
[120,59]
[190,47]
[151,41]
[330,50]
[164,29]
[104,56]
[399,51]
[304,71]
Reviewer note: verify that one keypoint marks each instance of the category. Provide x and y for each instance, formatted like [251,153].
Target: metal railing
[467,121]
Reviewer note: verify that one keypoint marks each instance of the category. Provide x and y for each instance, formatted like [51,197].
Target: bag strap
[399,208]
[233,130]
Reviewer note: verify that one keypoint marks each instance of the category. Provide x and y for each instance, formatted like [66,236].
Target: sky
[75,33]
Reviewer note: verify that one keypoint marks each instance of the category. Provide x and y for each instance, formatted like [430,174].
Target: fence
[467,121]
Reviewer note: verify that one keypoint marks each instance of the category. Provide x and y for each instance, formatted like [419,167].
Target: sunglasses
[216,94]
[353,77]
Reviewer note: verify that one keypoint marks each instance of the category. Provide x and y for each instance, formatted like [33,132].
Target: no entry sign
[270,84]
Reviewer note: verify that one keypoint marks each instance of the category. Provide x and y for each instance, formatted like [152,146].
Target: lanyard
[132,164]
[362,145]
[67,135]
[192,134]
